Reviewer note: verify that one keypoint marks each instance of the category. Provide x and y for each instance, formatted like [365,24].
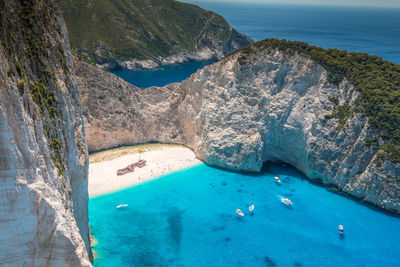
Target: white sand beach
[161,159]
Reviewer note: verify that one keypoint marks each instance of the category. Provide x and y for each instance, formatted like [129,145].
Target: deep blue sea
[188,219]
[356,29]
[370,30]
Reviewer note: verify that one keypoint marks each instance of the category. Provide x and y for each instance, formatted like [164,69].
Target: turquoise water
[188,219]
[162,76]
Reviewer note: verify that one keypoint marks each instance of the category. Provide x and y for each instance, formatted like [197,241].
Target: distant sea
[370,30]
[357,29]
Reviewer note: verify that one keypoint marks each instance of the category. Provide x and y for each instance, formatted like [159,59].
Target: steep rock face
[238,115]
[144,34]
[117,112]
[43,153]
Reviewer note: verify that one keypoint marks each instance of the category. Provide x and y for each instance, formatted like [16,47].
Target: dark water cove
[162,76]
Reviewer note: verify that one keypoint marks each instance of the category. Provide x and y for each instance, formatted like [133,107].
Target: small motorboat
[251,208]
[341,230]
[122,205]
[277,179]
[286,201]
[238,211]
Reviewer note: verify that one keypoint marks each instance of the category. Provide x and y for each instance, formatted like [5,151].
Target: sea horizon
[287,4]
[372,30]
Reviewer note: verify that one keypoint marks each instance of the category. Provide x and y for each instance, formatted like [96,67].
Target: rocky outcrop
[212,50]
[145,34]
[43,152]
[238,114]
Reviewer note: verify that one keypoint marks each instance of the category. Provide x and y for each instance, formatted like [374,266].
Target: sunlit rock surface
[43,207]
[238,116]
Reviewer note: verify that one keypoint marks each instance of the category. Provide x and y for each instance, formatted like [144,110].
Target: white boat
[122,205]
[341,229]
[286,201]
[251,208]
[238,211]
[277,179]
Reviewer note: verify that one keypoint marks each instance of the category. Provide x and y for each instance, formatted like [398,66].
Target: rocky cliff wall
[43,153]
[276,106]
[118,113]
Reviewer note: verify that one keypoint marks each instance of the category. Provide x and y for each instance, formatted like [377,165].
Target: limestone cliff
[43,152]
[117,112]
[267,105]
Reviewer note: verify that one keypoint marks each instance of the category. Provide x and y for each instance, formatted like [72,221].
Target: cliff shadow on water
[282,168]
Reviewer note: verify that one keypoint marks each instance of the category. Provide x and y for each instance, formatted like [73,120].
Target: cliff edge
[43,152]
[271,101]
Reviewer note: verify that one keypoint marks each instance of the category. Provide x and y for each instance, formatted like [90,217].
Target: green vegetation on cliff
[377,80]
[30,56]
[141,29]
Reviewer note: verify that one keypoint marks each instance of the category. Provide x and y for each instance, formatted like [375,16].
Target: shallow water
[188,219]
[162,76]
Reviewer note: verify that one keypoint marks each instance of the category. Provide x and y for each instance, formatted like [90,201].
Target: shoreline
[161,159]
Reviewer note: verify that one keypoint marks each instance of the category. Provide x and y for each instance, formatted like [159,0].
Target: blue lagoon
[188,218]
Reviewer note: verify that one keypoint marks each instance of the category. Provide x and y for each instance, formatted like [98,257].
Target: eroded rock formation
[43,153]
[237,116]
